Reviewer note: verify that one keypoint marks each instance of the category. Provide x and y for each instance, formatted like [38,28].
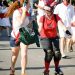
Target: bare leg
[62,45]
[15,52]
[23,58]
[68,44]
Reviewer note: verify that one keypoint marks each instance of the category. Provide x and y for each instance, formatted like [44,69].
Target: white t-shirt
[65,13]
[17,24]
[73,19]
[40,11]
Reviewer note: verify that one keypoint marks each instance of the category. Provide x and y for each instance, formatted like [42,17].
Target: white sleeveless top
[16,23]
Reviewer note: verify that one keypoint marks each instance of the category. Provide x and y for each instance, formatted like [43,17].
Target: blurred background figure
[66,16]
[73,29]
[5,22]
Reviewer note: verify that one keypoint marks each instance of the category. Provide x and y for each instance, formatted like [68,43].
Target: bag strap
[43,20]
[56,23]
[55,18]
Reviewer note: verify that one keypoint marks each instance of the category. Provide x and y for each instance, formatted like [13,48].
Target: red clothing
[2,15]
[51,2]
[51,31]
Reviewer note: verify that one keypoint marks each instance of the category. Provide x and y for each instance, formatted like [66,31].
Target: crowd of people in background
[56,29]
[5,22]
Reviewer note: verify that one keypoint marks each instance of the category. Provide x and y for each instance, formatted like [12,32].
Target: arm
[60,23]
[18,18]
[73,21]
[22,17]
[73,24]
[54,3]
[40,26]
[39,6]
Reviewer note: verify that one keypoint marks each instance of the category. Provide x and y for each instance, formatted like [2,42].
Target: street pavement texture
[35,64]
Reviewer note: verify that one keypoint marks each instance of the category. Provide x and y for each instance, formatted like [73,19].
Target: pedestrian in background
[73,31]
[66,16]
[5,22]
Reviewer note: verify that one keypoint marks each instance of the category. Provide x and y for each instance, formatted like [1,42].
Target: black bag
[29,34]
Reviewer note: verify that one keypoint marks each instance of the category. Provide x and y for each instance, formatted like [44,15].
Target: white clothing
[40,11]
[17,23]
[73,29]
[5,21]
[73,19]
[66,13]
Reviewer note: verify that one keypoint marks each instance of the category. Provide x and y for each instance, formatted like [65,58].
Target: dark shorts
[12,42]
[50,43]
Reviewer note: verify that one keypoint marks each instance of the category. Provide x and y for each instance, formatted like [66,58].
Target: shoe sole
[58,74]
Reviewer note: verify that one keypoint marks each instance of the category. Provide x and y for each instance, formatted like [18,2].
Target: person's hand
[73,24]
[36,5]
[23,9]
[68,32]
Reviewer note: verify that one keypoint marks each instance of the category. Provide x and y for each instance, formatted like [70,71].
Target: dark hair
[68,1]
[5,3]
[26,1]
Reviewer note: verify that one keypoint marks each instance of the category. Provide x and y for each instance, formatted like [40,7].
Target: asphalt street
[35,64]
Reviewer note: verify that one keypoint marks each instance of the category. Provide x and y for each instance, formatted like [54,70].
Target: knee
[57,55]
[48,55]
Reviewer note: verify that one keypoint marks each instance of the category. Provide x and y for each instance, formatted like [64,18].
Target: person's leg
[57,56]
[48,58]
[23,58]
[71,46]
[62,40]
[15,52]
[62,46]
[72,39]
[68,44]
[47,47]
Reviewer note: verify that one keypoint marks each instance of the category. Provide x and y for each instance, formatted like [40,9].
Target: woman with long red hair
[20,19]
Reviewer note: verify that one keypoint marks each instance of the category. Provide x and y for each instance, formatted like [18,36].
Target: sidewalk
[35,60]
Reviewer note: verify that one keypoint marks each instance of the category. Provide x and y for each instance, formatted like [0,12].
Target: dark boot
[58,72]
[46,72]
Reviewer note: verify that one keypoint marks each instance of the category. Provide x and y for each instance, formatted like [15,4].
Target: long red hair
[12,7]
